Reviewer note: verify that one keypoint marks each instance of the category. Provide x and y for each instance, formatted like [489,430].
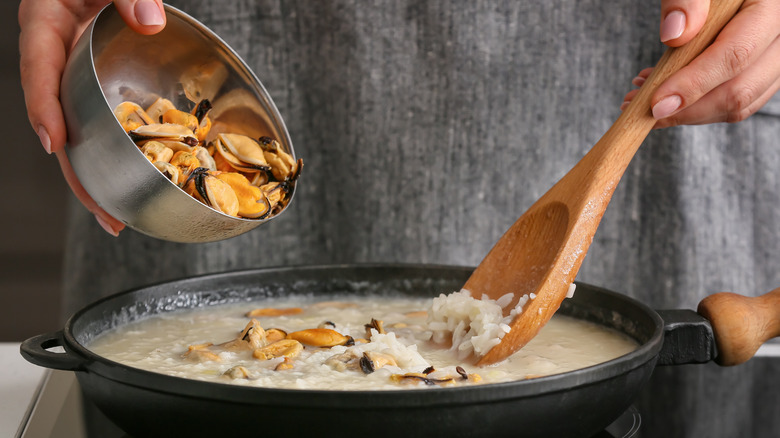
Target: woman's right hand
[49,30]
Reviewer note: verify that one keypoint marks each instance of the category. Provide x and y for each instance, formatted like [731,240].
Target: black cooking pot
[573,404]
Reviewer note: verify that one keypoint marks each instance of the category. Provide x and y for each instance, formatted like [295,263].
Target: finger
[108,222]
[702,115]
[42,59]
[638,81]
[628,98]
[738,98]
[645,73]
[146,17]
[41,83]
[681,20]
[739,44]
[642,77]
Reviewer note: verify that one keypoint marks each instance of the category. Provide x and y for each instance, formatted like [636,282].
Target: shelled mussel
[230,172]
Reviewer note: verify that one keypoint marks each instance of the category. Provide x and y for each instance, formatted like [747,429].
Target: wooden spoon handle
[741,324]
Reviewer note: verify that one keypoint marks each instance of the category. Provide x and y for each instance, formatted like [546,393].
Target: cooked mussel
[374,360]
[169,170]
[282,164]
[131,116]
[164,131]
[204,186]
[158,108]
[156,151]
[231,172]
[242,152]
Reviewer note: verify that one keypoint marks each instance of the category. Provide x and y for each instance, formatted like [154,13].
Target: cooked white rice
[473,325]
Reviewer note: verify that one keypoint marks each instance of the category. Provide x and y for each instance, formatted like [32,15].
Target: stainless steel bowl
[185,62]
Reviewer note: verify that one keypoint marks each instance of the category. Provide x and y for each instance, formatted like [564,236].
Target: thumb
[681,20]
[146,17]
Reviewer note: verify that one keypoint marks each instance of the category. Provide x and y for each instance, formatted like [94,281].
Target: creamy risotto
[350,343]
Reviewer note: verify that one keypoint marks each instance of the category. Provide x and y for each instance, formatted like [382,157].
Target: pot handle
[37,350]
[741,324]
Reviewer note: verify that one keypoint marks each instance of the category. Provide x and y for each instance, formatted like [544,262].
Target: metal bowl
[185,62]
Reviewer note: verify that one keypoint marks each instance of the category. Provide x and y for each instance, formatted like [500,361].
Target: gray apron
[428,128]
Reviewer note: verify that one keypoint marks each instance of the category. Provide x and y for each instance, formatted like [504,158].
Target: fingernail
[43,135]
[638,81]
[148,13]
[672,26]
[105,225]
[624,105]
[666,107]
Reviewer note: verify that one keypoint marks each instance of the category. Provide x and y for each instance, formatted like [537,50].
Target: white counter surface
[19,383]
[37,402]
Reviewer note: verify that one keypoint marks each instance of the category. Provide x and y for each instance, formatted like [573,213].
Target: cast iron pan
[574,404]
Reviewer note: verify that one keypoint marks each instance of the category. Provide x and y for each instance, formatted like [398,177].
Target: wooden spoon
[542,252]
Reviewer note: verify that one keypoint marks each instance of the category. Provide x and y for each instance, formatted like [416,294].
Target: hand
[731,79]
[50,29]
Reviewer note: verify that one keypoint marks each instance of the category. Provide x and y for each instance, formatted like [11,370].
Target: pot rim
[363,399]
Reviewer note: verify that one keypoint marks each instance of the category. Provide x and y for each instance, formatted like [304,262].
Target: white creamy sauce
[159,343]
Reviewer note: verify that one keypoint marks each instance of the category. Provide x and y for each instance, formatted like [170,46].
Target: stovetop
[59,411]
